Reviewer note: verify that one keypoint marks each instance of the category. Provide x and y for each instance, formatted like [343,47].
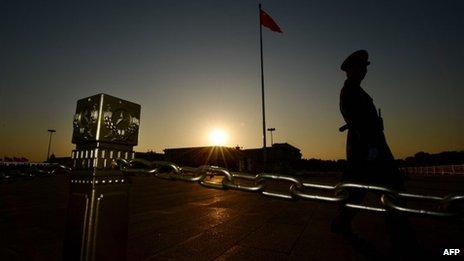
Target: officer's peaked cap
[358,58]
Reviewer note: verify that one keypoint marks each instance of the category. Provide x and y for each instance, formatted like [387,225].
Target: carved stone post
[105,129]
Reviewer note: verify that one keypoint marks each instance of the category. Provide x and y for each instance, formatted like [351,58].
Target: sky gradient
[194,66]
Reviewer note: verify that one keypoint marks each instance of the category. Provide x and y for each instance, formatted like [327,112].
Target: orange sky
[194,66]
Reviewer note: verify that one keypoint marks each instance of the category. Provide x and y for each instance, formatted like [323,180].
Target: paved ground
[178,220]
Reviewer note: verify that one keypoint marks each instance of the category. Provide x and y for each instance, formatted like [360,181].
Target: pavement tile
[246,253]
[185,229]
[7,253]
[207,246]
[292,215]
[273,236]
[318,242]
[249,221]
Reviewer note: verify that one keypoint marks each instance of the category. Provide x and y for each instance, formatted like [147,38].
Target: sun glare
[218,137]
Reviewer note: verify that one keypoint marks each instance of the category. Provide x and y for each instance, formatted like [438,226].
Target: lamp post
[272,138]
[50,142]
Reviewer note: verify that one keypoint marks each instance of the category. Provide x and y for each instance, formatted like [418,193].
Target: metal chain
[389,200]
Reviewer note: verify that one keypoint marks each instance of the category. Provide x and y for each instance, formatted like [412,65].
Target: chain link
[390,200]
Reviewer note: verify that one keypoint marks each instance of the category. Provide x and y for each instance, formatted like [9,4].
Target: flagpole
[262,87]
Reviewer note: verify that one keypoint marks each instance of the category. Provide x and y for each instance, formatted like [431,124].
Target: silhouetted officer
[366,147]
[369,159]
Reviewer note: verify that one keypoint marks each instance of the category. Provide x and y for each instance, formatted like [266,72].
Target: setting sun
[218,137]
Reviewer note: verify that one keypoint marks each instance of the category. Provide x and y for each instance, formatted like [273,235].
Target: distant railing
[435,170]
[13,170]
[22,163]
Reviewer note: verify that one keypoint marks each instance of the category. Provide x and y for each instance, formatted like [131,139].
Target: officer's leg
[402,237]
[341,224]
[354,172]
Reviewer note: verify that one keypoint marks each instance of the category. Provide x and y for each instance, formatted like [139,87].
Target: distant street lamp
[50,142]
[272,137]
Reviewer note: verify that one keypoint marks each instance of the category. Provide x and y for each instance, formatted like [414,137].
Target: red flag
[267,21]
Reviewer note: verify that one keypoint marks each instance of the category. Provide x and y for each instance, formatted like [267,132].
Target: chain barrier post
[105,130]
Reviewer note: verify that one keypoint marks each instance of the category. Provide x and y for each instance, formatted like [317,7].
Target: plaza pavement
[175,220]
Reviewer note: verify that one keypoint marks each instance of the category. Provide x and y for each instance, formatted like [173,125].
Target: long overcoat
[369,158]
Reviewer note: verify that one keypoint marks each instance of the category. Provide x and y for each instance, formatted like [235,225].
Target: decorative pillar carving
[105,129]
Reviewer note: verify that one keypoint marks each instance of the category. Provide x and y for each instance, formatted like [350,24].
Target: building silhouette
[281,157]
[226,157]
